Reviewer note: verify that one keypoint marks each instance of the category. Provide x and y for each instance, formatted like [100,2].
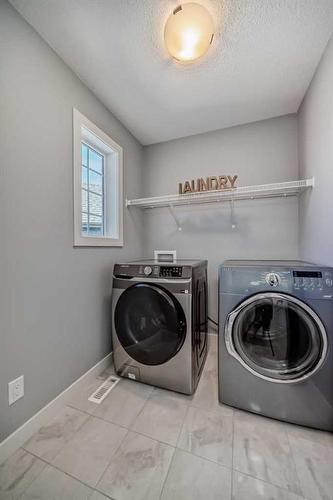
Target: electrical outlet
[15,390]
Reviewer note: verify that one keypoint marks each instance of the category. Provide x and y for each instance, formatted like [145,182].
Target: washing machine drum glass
[150,323]
[278,337]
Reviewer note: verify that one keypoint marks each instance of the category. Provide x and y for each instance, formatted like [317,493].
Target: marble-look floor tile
[124,402]
[207,434]
[161,418]
[137,470]
[79,397]
[107,372]
[212,342]
[185,399]
[315,435]
[51,438]
[194,478]
[55,485]
[249,488]
[211,360]
[88,453]
[211,363]
[206,395]
[314,464]
[17,472]
[262,449]
[98,496]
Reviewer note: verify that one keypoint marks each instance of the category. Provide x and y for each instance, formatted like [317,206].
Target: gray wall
[55,321]
[316,159]
[259,153]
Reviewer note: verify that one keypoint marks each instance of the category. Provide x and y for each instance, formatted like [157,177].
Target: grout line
[232,455]
[70,405]
[103,419]
[102,493]
[111,458]
[153,438]
[93,488]
[233,440]
[182,427]
[179,450]
[300,489]
[51,463]
[60,470]
[168,473]
[267,482]
[232,485]
[143,407]
[32,480]
[144,435]
[129,429]
[205,458]
[69,439]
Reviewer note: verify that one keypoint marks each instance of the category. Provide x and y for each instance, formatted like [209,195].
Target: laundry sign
[208,184]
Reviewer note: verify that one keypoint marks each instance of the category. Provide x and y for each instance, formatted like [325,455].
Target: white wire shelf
[278,189]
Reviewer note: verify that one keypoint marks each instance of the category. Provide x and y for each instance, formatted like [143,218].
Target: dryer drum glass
[277,338]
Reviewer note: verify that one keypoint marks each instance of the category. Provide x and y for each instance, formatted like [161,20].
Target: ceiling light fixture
[189,31]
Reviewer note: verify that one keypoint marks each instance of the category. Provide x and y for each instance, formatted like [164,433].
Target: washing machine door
[276,337]
[200,319]
[150,323]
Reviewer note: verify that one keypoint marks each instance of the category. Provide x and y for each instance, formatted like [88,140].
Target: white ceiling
[260,64]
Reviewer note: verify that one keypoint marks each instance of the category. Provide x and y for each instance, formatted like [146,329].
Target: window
[92,194]
[98,216]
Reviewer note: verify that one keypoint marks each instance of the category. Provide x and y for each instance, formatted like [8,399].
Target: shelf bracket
[232,214]
[174,216]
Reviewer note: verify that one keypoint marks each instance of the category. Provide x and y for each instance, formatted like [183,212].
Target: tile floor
[147,444]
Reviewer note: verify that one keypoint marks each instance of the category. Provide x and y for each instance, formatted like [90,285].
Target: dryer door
[276,337]
[150,323]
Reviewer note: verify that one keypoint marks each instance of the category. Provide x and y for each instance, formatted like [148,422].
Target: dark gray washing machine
[275,340]
[159,322]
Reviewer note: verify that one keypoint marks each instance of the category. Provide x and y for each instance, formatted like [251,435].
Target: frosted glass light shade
[188,32]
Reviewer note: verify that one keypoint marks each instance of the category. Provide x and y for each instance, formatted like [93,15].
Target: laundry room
[166,252]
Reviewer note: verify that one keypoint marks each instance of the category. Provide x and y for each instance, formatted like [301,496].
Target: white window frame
[86,131]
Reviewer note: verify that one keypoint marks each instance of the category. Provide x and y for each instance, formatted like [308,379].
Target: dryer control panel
[311,280]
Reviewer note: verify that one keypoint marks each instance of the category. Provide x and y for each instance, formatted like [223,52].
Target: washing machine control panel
[171,271]
[147,270]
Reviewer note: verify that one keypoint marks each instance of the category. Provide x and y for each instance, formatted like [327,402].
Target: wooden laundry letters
[208,184]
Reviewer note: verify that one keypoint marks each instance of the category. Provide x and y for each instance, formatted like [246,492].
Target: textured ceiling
[261,62]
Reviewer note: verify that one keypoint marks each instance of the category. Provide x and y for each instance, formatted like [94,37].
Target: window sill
[87,241]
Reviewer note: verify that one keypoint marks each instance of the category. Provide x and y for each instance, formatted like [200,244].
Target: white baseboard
[15,440]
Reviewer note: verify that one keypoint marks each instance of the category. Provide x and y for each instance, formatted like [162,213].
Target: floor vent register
[104,389]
